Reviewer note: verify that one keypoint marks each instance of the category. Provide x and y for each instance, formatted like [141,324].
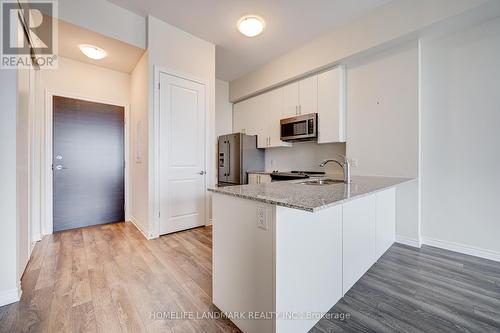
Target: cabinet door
[385,221]
[359,239]
[264,179]
[290,100]
[331,106]
[242,117]
[308,95]
[276,111]
[259,119]
[250,118]
[253,178]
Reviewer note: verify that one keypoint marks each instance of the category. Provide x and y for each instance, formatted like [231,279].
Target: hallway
[109,278]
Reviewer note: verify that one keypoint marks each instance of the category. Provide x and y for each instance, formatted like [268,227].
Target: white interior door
[182,154]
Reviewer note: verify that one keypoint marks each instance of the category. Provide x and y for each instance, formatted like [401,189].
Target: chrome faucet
[346,167]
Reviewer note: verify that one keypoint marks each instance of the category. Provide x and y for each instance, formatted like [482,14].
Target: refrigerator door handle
[229,159]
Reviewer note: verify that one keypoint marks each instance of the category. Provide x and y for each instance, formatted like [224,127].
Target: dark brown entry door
[88,163]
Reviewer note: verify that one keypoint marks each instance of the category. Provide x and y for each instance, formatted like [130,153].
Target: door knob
[201,172]
[59,167]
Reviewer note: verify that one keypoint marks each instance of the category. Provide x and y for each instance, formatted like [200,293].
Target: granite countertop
[310,198]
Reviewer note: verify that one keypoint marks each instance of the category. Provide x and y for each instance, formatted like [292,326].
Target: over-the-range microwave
[299,128]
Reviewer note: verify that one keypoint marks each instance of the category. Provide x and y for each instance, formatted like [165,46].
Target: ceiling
[289,24]
[121,56]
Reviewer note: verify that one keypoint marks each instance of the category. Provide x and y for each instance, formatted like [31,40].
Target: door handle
[202,172]
[60,167]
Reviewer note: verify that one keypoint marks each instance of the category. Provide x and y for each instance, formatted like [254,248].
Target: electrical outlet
[261,218]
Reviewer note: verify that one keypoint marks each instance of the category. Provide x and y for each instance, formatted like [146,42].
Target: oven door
[299,128]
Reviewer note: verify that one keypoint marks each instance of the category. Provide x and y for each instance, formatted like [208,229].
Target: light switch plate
[262,218]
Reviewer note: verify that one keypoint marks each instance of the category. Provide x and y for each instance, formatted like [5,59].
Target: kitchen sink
[327,181]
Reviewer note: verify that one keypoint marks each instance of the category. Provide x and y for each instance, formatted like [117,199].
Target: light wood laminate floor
[110,279]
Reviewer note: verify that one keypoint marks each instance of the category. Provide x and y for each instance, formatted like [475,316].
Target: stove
[281,176]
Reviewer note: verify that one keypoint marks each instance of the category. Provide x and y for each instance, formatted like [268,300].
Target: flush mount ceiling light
[251,25]
[93,52]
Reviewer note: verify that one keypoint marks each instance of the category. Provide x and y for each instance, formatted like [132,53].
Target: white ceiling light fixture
[93,52]
[251,25]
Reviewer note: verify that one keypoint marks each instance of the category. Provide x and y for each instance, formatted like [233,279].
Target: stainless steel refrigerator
[238,154]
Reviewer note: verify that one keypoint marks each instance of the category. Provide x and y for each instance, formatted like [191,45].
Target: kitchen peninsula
[288,251]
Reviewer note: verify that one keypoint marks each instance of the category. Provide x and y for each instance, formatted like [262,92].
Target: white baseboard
[462,248]
[10,296]
[414,242]
[209,222]
[139,227]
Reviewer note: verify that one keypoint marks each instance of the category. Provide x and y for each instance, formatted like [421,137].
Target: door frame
[154,147]
[47,144]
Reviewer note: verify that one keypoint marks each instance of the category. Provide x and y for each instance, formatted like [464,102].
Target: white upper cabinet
[260,115]
[308,95]
[242,116]
[290,100]
[323,93]
[331,106]
[300,97]
[276,113]
[249,115]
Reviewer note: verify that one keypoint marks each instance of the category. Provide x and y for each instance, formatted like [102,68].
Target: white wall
[382,125]
[24,95]
[79,80]
[223,109]
[87,81]
[8,247]
[95,15]
[304,156]
[139,166]
[382,116]
[176,50]
[386,25]
[460,139]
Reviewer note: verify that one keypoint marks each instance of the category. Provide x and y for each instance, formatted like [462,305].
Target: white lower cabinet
[259,178]
[243,262]
[369,229]
[273,259]
[385,227]
[308,265]
[290,264]
[253,178]
[359,239]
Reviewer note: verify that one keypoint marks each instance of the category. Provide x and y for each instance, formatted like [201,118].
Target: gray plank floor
[420,290]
